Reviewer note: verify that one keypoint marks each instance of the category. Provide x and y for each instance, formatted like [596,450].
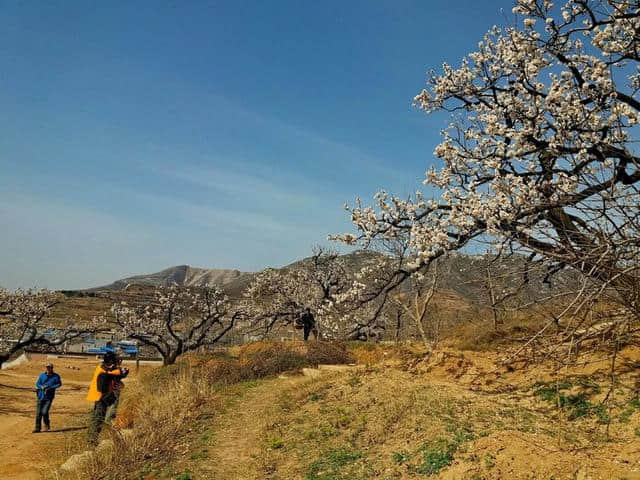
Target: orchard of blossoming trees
[177,320]
[540,156]
[23,317]
[321,283]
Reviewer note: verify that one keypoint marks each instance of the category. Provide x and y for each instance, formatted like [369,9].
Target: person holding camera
[104,391]
[46,385]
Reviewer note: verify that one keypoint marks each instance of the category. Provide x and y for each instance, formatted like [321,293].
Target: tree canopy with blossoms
[24,322]
[176,320]
[324,283]
[540,154]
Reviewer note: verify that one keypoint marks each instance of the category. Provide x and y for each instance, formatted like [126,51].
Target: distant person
[104,391]
[308,324]
[46,385]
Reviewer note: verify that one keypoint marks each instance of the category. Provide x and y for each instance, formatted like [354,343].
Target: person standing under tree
[46,385]
[308,324]
[103,391]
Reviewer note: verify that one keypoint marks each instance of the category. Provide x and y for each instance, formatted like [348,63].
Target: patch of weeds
[342,419]
[400,458]
[460,433]
[329,466]
[637,431]
[275,443]
[633,405]
[489,461]
[354,380]
[439,454]
[184,476]
[602,413]
[549,392]
[436,456]
[286,403]
[577,405]
[206,437]
[200,455]
[316,396]
[321,433]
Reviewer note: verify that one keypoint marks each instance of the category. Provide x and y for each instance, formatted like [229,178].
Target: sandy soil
[27,456]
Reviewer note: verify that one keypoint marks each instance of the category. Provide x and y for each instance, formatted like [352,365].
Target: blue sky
[229,134]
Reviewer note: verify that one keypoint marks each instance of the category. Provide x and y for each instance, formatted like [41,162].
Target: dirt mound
[521,455]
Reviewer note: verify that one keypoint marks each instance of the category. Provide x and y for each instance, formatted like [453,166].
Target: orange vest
[94,394]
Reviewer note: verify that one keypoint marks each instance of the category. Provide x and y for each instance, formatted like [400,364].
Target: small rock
[76,461]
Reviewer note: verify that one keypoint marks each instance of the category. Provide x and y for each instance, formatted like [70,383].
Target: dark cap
[110,358]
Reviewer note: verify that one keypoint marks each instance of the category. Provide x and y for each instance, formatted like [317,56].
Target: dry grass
[481,335]
[263,359]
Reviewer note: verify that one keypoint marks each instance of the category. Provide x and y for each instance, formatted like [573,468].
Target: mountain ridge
[184,275]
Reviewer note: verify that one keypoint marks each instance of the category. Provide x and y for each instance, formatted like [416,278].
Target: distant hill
[183,275]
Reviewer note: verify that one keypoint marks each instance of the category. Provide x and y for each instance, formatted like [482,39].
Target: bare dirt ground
[27,456]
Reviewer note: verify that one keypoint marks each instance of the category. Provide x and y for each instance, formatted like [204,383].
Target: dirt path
[28,456]
[236,441]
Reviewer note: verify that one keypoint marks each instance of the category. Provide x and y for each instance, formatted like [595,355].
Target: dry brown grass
[481,335]
[263,359]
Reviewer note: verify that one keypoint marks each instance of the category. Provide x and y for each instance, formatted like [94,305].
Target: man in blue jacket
[46,385]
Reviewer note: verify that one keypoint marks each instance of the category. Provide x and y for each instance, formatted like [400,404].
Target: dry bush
[328,353]
[367,353]
[481,335]
[264,359]
[371,354]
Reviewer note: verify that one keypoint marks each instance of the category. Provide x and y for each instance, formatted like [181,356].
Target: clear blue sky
[228,134]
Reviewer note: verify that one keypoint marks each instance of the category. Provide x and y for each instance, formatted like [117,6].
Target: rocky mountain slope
[184,275]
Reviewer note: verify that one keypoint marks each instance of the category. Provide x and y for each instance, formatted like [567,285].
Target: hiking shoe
[47,428]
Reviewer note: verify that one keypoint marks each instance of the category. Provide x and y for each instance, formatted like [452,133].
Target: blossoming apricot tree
[24,322]
[175,320]
[540,154]
[321,283]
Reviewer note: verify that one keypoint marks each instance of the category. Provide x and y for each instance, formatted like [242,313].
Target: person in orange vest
[104,391]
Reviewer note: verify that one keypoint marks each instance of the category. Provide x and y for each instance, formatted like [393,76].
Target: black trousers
[42,412]
[308,328]
[98,415]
